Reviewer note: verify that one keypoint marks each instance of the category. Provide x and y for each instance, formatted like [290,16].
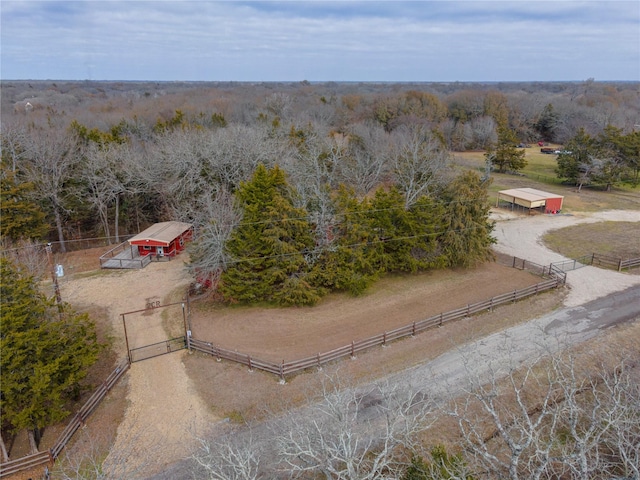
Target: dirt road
[164,414]
[521,236]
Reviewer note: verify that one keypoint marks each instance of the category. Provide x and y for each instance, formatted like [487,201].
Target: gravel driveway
[521,237]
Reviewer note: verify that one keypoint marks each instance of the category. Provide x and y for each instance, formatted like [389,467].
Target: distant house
[165,239]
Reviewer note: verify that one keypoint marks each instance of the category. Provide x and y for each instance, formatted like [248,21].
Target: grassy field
[539,173]
[618,239]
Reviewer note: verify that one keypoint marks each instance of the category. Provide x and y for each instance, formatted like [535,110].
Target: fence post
[384,339]
[440,320]
[318,361]
[413,330]
[353,353]
[282,380]
[250,366]
[620,265]
[514,263]
[515,293]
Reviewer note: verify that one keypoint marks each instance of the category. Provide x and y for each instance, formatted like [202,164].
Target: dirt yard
[293,333]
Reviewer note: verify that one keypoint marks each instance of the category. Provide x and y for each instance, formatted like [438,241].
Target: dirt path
[164,414]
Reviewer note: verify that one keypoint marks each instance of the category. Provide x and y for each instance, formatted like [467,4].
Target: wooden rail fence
[46,457]
[598,260]
[287,368]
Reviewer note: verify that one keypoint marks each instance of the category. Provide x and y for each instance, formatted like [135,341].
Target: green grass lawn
[539,173]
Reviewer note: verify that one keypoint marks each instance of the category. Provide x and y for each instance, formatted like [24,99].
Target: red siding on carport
[553,204]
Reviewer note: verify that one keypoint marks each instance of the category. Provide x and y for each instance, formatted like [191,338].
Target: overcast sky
[428,41]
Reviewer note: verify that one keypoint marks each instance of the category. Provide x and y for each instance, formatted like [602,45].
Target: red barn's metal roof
[163,232]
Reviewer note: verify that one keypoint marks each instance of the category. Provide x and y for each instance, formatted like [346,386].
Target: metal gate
[156,349]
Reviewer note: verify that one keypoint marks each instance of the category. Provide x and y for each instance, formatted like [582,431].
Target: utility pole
[54,277]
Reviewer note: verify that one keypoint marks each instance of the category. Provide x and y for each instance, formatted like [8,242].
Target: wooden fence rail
[594,259]
[631,263]
[287,368]
[20,464]
[42,458]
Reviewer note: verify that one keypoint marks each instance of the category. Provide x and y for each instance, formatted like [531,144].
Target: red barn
[165,239]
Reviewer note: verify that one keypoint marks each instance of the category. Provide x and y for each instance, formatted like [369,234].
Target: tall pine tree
[268,248]
[406,240]
[467,239]
[46,351]
[347,263]
[21,217]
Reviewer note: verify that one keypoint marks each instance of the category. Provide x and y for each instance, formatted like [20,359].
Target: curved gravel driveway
[521,237]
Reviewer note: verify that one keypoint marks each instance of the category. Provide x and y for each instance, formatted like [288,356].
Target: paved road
[525,342]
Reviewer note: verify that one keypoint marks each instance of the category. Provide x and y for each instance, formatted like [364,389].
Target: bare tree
[419,162]
[484,131]
[52,155]
[102,173]
[229,458]
[347,433]
[368,160]
[555,417]
[15,140]
[29,255]
[214,218]
[354,434]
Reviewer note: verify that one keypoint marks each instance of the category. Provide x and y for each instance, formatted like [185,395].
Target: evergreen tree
[576,165]
[21,217]
[506,155]
[547,123]
[467,240]
[267,249]
[347,262]
[46,350]
[405,237]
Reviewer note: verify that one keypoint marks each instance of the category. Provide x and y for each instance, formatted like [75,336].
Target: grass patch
[540,174]
[618,239]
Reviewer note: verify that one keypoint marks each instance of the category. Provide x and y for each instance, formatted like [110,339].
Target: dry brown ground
[277,334]
[234,392]
[267,333]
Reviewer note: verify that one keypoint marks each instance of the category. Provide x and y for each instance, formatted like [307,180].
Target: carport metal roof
[526,197]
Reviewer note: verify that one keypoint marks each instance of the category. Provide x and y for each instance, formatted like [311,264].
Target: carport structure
[531,199]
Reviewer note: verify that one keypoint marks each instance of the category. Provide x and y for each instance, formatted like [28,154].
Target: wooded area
[103,159]
[106,159]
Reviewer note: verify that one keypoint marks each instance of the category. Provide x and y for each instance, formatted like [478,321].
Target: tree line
[278,252]
[102,159]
